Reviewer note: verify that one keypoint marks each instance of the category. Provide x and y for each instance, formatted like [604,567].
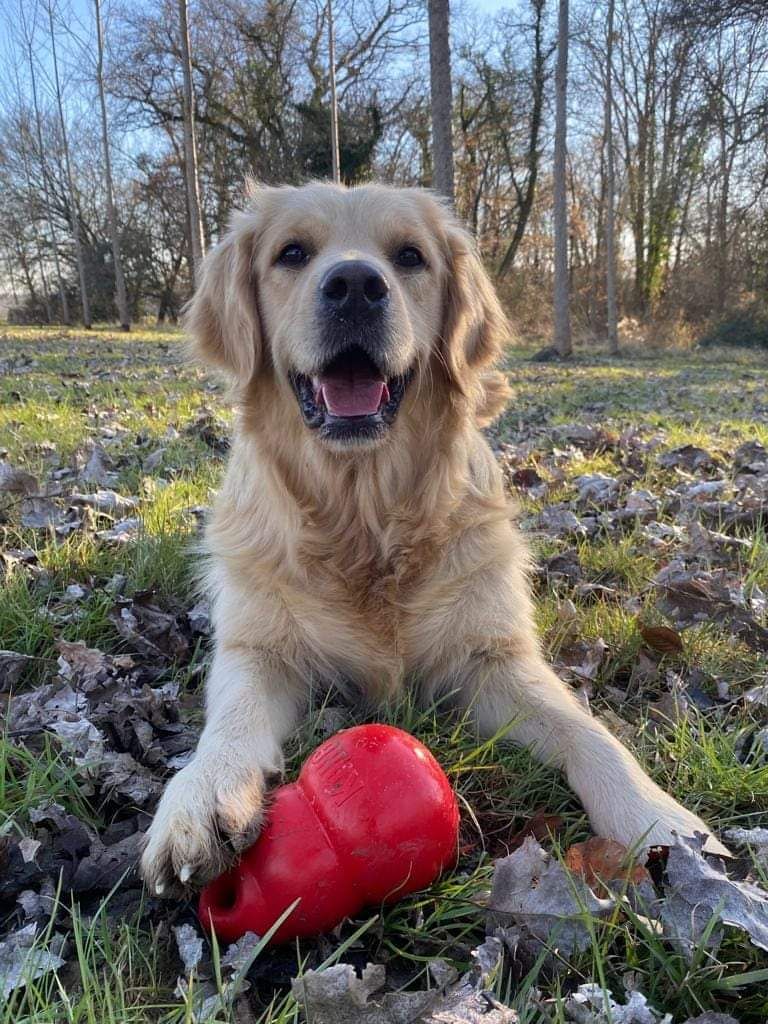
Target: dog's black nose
[354,289]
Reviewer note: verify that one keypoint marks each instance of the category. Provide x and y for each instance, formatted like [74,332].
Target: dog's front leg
[623,803]
[212,808]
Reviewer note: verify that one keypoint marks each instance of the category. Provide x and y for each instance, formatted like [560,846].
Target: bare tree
[441,97]
[46,190]
[23,129]
[121,298]
[610,194]
[526,192]
[335,162]
[562,339]
[73,206]
[196,241]
[715,13]
[28,32]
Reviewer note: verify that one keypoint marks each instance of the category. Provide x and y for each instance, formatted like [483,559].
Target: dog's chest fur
[340,577]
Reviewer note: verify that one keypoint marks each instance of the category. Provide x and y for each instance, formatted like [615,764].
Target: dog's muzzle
[351,398]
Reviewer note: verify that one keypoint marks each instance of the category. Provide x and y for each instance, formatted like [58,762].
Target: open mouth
[350,399]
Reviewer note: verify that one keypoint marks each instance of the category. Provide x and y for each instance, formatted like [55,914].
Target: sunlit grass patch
[141,332]
[67,390]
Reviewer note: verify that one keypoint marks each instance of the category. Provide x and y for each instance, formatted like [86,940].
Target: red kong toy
[371,818]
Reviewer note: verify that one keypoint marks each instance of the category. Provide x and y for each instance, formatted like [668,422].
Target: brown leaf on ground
[526,477]
[599,861]
[662,639]
[540,825]
[12,667]
[689,457]
[16,481]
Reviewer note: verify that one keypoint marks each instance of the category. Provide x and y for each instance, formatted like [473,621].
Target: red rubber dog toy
[371,818]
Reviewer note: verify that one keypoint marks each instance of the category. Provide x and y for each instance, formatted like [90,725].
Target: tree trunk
[724,166]
[28,279]
[74,210]
[335,160]
[610,196]
[121,298]
[31,199]
[11,278]
[33,222]
[441,97]
[562,338]
[532,156]
[46,191]
[196,242]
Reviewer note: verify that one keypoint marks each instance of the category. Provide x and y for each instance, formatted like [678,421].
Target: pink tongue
[352,396]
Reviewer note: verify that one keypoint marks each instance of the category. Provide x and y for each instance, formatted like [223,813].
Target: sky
[75,35]
[84,8]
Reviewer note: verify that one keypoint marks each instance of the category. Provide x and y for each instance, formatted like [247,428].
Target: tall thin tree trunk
[121,298]
[721,220]
[610,196]
[196,241]
[36,236]
[532,157]
[43,278]
[46,190]
[28,279]
[441,97]
[335,159]
[11,278]
[562,339]
[32,196]
[74,209]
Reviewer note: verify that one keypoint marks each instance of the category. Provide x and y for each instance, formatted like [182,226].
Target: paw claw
[196,832]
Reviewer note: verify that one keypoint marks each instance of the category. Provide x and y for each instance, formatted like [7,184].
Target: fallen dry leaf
[662,639]
[697,890]
[16,481]
[710,1017]
[106,501]
[597,488]
[533,890]
[124,531]
[540,825]
[23,958]
[99,468]
[601,861]
[12,667]
[189,943]
[688,457]
[39,513]
[591,1004]
[338,996]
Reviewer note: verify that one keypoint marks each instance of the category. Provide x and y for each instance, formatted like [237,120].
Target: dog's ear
[222,317]
[475,328]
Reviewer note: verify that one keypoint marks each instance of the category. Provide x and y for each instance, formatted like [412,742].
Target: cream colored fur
[382,566]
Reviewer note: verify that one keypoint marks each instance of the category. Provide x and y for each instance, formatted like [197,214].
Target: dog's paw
[205,818]
[655,820]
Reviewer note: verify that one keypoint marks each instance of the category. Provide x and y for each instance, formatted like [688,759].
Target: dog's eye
[408,257]
[293,255]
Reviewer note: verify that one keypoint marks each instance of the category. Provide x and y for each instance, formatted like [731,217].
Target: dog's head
[354,301]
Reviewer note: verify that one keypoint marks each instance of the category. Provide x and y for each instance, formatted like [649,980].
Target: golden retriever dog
[362,536]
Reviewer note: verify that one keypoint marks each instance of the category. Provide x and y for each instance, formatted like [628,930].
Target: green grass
[62,388]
